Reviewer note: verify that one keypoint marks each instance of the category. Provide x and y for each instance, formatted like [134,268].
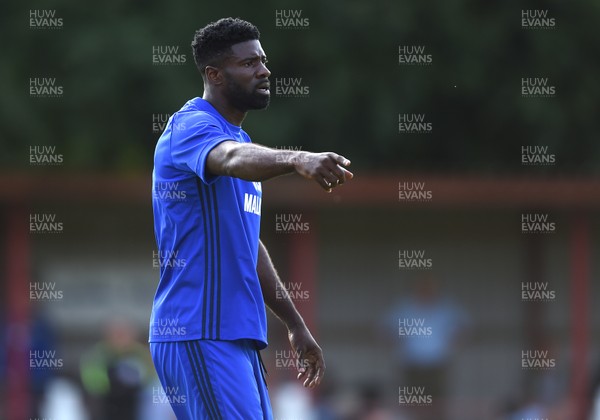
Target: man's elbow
[232,161]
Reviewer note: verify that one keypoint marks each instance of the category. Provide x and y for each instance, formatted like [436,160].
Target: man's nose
[263,71]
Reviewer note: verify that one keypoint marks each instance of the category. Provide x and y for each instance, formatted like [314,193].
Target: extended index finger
[339,159]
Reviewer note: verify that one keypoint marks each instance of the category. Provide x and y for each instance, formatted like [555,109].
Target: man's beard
[243,100]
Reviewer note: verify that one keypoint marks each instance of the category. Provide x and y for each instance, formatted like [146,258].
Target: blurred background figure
[372,406]
[63,400]
[522,407]
[430,326]
[324,400]
[115,372]
[43,339]
[292,401]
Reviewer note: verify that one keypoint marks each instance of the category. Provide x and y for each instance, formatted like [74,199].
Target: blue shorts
[209,379]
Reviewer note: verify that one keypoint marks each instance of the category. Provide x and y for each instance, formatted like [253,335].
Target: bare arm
[253,162]
[301,340]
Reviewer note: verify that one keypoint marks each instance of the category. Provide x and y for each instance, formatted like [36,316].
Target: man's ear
[213,75]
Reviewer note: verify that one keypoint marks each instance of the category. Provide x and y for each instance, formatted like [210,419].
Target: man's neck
[231,114]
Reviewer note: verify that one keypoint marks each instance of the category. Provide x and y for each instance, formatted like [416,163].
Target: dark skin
[300,337]
[246,69]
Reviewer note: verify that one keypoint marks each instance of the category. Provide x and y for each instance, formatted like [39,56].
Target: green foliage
[348,56]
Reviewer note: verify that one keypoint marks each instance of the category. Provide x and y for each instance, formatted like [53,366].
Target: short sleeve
[193,137]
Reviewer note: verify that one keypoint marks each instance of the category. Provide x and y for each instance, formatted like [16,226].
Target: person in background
[43,339]
[372,404]
[429,326]
[115,371]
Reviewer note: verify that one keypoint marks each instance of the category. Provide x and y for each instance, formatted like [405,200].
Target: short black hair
[214,41]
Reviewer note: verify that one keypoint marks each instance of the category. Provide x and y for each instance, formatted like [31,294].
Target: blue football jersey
[207,233]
